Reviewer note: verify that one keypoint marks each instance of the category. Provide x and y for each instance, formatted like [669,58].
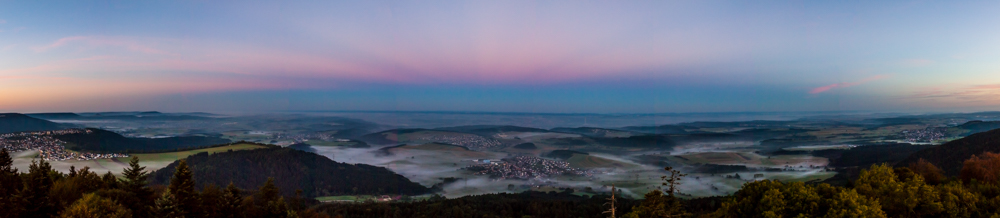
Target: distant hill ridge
[589,131]
[950,156]
[490,130]
[379,138]
[292,169]
[978,126]
[15,122]
[100,140]
[54,116]
[664,129]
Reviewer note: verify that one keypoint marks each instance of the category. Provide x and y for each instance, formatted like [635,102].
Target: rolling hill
[664,129]
[54,116]
[563,154]
[595,132]
[979,126]
[950,156]
[386,137]
[865,156]
[314,174]
[14,122]
[526,146]
[490,130]
[639,141]
[106,141]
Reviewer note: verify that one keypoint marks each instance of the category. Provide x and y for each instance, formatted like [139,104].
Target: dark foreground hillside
[950,156]
[867,155]
[293,170]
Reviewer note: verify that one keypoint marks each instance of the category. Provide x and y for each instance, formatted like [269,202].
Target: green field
[588,161]
[346,198]
[155,161]
[445,150]
[152,161]
[329,143]
[172,156]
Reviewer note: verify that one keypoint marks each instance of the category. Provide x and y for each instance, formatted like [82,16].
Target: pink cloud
[535,60]
[2,21]
[846,84]
[961,92]
[959,96]
[987,87]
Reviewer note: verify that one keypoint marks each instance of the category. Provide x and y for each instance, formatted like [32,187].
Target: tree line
[44,192]
[919,189]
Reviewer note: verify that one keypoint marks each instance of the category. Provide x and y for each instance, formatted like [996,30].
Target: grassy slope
[588,161]
[152,161]
[172,156]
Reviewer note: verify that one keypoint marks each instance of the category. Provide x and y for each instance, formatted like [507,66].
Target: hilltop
[99,140]
[950,156]
[386,137]
[595,132]
[314,174]
[977,126]
[490,130]
[14,122]
[664,129]
[54,116]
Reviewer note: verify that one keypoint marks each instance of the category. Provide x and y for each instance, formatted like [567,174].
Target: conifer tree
[269,191]
[231,203]
[110,181]
[269,201]
[11,184]
[210,196]
[134,182]
[72,171]
[35,194]
[168,207]
[182,190]
[674,179]
[656,204]
[135,178]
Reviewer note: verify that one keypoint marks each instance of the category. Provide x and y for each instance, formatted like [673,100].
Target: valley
[466,160]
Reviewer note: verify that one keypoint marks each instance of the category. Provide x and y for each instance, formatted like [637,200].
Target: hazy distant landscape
[538,152]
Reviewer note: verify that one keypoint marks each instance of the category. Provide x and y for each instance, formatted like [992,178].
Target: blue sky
[506,56]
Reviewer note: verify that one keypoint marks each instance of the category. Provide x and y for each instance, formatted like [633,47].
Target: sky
[500,56]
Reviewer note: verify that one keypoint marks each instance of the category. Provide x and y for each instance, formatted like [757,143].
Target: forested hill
[54,116]
[979,126]
[13,122]
[99,140]
[292,169]
[950,156]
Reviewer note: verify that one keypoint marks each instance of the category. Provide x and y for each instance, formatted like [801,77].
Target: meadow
[152,161]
